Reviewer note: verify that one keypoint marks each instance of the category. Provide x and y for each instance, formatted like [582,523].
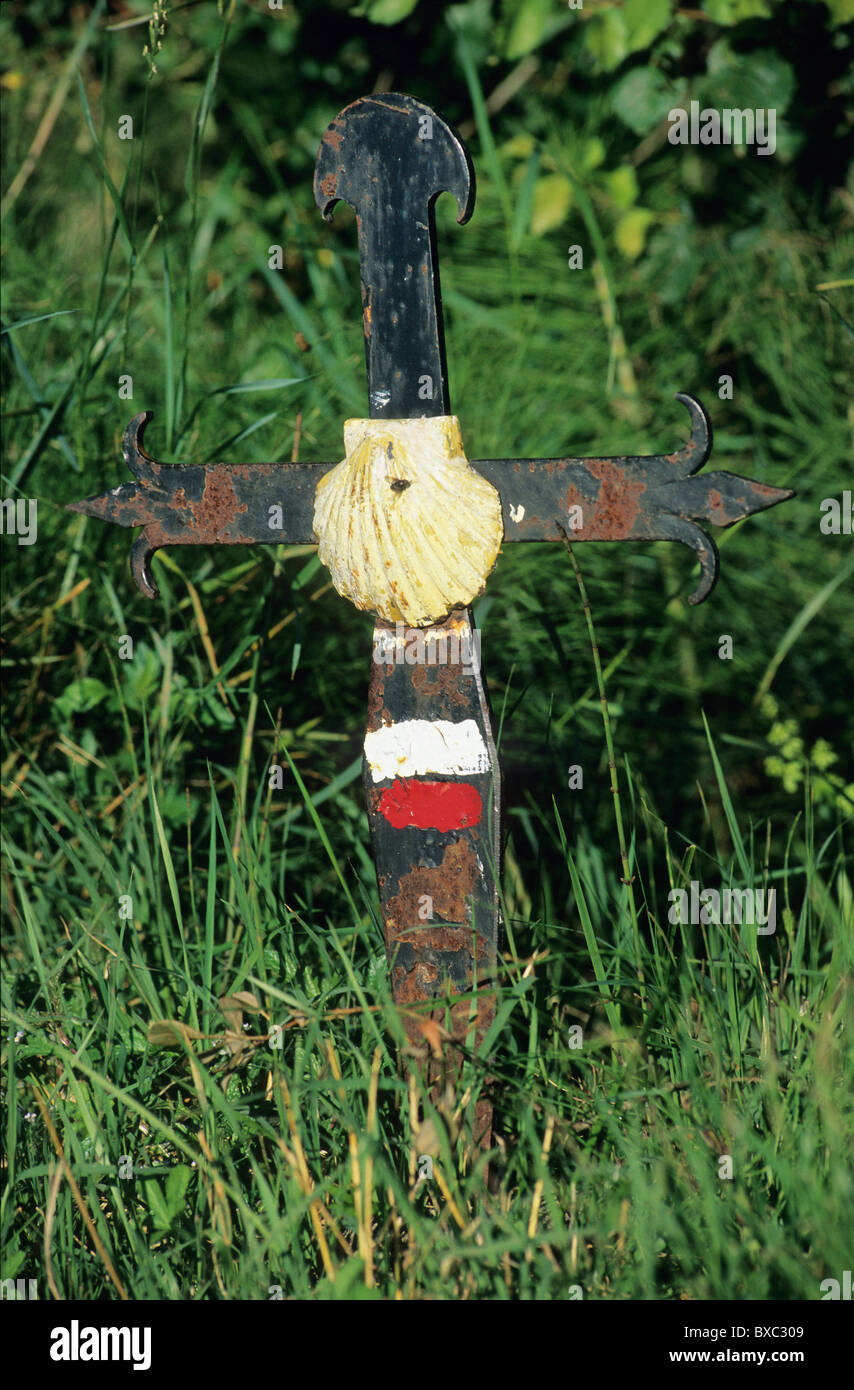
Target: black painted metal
[390,157]
[641,497]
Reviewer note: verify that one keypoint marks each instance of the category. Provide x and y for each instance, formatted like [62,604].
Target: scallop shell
[406,527]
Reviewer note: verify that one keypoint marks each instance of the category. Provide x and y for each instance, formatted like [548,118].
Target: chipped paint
[425,747]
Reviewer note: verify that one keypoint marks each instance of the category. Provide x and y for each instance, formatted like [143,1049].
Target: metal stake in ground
[410,531]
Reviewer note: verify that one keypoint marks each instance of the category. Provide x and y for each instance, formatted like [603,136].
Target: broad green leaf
[671,263]
[630,232]
[140,676]
[388,11]
[528,27]
[176,1189]
[592,154]
[606,35]
[642,98]
[157,1204]
[646,20]
[751,81]
[520,147]
[622,186]
[552,202]
[81,695]
[733,11]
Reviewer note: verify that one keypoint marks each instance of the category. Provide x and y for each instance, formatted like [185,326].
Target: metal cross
[431,774]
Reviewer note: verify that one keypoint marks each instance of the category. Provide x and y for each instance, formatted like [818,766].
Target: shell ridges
[406,527]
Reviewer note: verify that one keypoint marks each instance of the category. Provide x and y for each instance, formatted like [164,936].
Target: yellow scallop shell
[406,527]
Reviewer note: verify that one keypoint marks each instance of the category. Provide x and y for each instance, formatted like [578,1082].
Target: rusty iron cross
[410,530]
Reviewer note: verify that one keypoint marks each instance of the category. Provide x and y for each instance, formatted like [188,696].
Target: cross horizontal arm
[205,504]
[642,497]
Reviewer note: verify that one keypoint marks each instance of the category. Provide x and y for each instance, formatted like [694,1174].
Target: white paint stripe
[418,746]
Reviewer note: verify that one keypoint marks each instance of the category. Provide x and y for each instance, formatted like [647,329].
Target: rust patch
[449,885]
[573,498]
[329,186]
[618,504]
[717,512]
[218,507]
[377,712]
[438,684]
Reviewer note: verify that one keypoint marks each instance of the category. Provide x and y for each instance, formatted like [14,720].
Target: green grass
[169,916]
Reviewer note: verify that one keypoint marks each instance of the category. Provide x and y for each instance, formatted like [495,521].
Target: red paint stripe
[430,805]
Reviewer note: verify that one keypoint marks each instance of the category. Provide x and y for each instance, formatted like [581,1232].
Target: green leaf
[551,204]
[630,232]
[521,146]
[377,969]
[13,1258]
[173,806]
[528,28]
[622,186]
[176,1189]
[165,1207]
[140,676]
[646,20]
[277,383]
[733,11]
[156,1202]
[592,154]
[607,37]
[754,81]
[387,11]
[37,318]
[80,696]
[118,205]
[671,263]
[642,98]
